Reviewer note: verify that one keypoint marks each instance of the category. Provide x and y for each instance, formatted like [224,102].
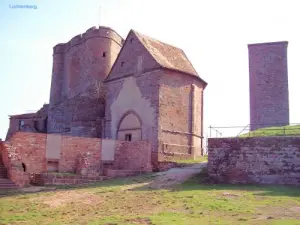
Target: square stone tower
[269,95]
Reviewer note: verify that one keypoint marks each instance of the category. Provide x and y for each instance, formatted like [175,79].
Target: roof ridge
[140,37]
[154,39]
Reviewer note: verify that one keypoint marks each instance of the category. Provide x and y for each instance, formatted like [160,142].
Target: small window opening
[131,40]
[21,123]
[104,54]
[127,137]
[122,63]
[24,167]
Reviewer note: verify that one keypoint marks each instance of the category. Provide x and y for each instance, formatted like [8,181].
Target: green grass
[274,131]
[130,201]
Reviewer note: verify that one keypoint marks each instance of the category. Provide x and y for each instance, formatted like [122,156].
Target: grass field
[130,201]
[274,131]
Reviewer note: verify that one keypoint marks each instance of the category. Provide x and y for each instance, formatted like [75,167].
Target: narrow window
[21,123]
[24,167]
[104,54]
[127,137]
[131,40]
[122,63]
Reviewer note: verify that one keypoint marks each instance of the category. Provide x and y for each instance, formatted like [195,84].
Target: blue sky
[214,34]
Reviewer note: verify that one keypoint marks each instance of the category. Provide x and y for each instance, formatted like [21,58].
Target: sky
[214,35]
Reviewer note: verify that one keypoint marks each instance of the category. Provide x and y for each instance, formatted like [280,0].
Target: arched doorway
[130,128]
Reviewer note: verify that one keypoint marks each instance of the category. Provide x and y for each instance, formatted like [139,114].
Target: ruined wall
[14,123]
[30,148]
[23,154]
[79,116]
[180,114]
[71,154]
[73,147]
[264,160]
[134,155]
[269,95]
[13,165]
[33,122]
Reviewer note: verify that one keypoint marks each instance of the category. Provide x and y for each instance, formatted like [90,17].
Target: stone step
[5,180]
[74,181]
[7,184]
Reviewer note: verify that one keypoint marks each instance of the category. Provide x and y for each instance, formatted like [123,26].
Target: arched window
[130,128]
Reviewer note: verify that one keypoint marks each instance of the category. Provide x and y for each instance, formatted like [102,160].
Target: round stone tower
[269,95]
[79,67]
[87,58]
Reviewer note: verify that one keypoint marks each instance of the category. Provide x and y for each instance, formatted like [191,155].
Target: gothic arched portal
[130,128]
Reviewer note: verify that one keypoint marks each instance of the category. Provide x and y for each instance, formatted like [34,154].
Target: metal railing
[293,129]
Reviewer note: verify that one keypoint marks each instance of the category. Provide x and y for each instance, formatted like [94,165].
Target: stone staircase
[5,183]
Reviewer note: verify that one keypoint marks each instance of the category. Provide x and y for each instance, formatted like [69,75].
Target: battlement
[101,31]
[268,43]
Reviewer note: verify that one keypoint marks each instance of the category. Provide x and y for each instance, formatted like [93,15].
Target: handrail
[243,129]
[292,129]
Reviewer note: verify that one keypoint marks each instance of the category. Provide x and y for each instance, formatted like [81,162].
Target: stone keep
[269,96]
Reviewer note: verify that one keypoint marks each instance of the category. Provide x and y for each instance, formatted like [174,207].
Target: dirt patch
[296,209]
[34,189]
[176,176]
[140,221]
[230,195]
[64,197]
[134,186]
[167,180]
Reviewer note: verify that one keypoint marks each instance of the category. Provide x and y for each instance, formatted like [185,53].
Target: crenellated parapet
[93,32]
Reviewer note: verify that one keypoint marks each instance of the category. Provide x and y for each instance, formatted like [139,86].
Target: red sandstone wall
[31,148]
[27,148]
[133,156]
[72,147]
[175,114]
[266,160]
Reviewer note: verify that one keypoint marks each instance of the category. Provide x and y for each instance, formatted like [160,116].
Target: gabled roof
[163,55]
[167,55]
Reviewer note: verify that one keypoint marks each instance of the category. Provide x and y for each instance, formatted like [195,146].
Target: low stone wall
[25,154]
[63,179]
[73,149]
[134,155]
[264,160]
[122,173]
[89,164]
[30,150]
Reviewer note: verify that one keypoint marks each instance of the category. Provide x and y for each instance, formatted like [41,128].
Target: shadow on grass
[202,182]
[199,182]
[113,183]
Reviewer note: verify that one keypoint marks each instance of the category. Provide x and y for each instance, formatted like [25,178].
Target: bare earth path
[176,175]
